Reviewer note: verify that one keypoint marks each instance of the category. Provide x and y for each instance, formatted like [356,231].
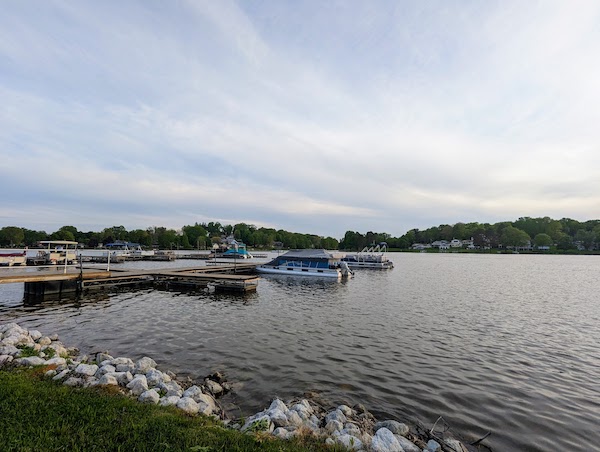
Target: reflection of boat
[369,257]
[10,259]
[56,252]
[307,263]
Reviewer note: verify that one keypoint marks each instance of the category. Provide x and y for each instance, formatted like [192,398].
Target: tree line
[564,234]
[196,236]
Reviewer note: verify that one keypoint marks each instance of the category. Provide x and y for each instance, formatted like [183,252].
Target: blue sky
[315,117]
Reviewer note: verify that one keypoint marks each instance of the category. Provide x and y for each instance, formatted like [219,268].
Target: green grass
[40,415]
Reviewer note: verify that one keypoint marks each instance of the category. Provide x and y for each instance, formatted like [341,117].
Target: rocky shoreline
[352,427]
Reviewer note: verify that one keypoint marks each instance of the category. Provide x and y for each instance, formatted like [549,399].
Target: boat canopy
[58,242]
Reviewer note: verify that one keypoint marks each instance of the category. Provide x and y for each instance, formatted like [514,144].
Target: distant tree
[196,235]
[11,236]
[585,238]
[514,237]
[542,239]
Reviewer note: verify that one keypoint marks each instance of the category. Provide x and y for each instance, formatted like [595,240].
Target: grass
[40,415]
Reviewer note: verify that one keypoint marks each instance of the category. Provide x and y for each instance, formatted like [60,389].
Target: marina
[73,279]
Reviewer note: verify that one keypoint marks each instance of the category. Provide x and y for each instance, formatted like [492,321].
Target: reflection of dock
[57,280]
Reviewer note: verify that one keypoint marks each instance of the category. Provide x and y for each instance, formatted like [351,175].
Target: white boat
[370,257]
[126,249]
[10,259]
[56,252]
[307,263]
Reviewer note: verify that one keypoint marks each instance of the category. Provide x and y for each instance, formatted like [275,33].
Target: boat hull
[299,271]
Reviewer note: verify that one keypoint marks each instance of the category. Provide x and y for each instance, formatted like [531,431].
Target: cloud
[378,116]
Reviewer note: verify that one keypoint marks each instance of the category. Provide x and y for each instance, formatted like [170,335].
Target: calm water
[501,343]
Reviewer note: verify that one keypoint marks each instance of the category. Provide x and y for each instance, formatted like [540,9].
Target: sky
[310,116]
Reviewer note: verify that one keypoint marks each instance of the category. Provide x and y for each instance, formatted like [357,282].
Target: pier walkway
[226,277]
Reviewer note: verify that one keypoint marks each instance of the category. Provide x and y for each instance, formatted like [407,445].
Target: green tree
[542,239]
[514,237]
[11,236]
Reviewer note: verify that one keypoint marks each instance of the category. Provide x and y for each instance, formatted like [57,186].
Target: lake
[500,343]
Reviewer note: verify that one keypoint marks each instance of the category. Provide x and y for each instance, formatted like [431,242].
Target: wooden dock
[225,277]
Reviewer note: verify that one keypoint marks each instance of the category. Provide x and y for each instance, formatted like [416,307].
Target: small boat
[230,248]
[307,263]
[121,248]
[10,259]
[57,252]
[370,257]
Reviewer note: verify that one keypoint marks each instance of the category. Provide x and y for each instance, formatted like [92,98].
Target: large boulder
[8,350]
[385,441]
[138,385]
[144,365]
[5,359]
[350,442]
[35,334]
[169,401]
[188,405]
[87,370]
[108,380]
[409,446]
[397,428]
[150,396]
[30,361]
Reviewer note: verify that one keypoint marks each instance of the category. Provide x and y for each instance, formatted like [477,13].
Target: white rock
[294,418]
[101,357]
[346,410]
[144,365]
[56,361]
[108,380]
[349,441]
[8,326]
[193,392]
[5,359]
[188,405]
[138,385]
[262,423]
[59,349]
[398,428]
[336,415]
[121,360]
[86,369]
[155,377]
[44,341]
[50,373]
[385,441]
[433,446]
[169,401]
[278,417]
[351,429]
[61,375]
[333,426]
[277,404]
[73,381]
[35,334]
[150,396]
[408,445]
[9,350]
[125,367]
[90,381]
[172,388]
[214,387]
[30,361]
[280,432]
[330,442]
[106,369]
[124,378]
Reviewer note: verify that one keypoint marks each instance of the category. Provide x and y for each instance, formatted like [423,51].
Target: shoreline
[352,427]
